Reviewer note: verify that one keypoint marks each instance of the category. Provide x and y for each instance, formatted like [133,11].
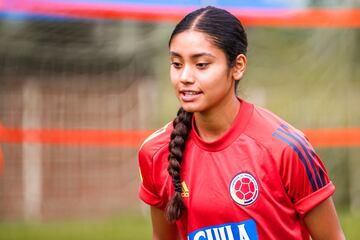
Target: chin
[188,107]
[191,108]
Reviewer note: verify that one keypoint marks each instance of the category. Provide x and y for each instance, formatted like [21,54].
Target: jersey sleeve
[147,191]
[303,174]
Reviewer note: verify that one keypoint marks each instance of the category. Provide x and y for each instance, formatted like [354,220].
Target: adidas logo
[184,190]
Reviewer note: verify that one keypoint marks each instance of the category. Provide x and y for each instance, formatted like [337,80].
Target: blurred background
[84,82]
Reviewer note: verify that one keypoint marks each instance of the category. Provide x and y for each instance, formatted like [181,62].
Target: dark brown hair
[228,34]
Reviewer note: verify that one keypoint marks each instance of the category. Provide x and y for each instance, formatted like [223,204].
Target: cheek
[215,77]
[173,80]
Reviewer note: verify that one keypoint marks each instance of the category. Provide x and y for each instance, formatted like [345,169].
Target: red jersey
[256,182]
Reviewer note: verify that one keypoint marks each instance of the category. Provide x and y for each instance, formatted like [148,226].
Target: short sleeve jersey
[257,181]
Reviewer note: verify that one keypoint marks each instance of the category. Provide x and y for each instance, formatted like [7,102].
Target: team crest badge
[244,189]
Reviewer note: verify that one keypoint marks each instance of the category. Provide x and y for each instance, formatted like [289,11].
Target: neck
[213,124]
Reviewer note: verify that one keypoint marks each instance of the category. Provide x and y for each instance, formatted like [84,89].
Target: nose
[186,76]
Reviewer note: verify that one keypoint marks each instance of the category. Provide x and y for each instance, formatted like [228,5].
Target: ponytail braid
[182,126]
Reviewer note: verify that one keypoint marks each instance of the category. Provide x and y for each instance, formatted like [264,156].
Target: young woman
[224,168]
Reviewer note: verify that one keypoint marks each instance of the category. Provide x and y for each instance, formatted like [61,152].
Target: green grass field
[131,227]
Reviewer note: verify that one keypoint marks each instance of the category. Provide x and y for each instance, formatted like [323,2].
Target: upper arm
[148,191]
[322,222]
[302,172]
[162,229]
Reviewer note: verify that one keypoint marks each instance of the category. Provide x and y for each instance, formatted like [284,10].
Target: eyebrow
[197,55]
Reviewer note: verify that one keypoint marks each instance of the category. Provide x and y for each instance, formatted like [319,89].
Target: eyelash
[198,65]
[176,64]
[202,65]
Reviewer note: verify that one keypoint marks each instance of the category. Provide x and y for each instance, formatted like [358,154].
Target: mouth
[190,93]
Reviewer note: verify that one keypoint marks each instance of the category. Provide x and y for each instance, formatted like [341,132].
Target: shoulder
[272,132]
[156,141]
[152,160]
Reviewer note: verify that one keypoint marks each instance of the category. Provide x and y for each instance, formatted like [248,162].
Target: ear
[239,67]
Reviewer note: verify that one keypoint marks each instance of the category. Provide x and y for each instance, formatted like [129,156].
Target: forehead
[191,42]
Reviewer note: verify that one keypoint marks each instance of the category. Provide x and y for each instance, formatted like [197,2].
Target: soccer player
[224,168]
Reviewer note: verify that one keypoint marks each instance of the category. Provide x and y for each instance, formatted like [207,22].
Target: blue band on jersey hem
[227,231]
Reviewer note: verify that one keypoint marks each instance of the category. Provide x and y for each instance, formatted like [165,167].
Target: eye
[176,65]
[202,65]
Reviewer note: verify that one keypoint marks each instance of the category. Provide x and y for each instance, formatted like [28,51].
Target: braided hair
[228,34]
[182,126]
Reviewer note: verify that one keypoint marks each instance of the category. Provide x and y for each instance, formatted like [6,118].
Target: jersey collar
[236,129]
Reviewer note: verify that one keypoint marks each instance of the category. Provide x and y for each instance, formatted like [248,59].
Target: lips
[189,95]
[190,92]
